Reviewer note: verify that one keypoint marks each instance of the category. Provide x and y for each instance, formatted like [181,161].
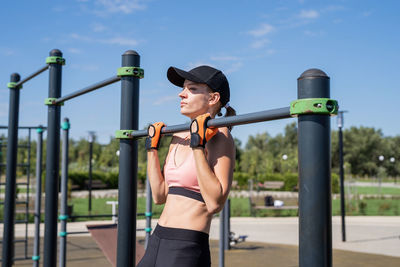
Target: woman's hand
[154,135]
[199,132]
[156,178]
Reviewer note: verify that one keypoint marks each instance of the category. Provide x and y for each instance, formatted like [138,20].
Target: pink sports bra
[182,180]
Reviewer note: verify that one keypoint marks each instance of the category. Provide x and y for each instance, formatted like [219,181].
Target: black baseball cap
[214,78]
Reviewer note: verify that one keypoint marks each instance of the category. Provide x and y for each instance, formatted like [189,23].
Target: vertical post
[221,238]
[11,173]
[38,202]
[149,211]
[91,137]
[64,192]
[315,223]
[127,182]
[52,164]
[341,170]
[227,228]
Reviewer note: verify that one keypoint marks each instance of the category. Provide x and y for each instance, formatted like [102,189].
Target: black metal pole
[315,223]
[33,75]
[227,228]
[38,202]
[64,193]
[266,115]
[90,172]
[11,173]
[149,212]
[221,251]
[341,170]
[127,183]
[88,89]
[52,164]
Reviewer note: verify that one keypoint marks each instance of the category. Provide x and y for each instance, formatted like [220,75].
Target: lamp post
[340,123]
[90,140]
[381,159]
[393,160]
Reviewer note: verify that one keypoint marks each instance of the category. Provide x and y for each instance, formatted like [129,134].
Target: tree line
[262,154]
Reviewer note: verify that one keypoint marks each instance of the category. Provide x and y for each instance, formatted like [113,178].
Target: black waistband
[181,234]
[174,190]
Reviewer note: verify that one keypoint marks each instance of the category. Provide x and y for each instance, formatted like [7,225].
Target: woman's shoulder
[222,139]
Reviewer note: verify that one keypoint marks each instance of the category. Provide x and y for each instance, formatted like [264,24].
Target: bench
[267,201]
[96,184]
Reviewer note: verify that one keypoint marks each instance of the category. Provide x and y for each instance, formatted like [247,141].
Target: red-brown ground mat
[105,236]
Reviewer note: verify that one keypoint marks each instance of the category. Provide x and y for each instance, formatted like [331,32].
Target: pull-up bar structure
[313,109]
[14,85]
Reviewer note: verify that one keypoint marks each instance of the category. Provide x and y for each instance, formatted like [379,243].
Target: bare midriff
[186,213]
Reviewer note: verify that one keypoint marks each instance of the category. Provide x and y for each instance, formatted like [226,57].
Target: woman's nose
[182,94]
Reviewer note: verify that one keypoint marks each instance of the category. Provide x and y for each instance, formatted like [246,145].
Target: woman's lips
[182,104]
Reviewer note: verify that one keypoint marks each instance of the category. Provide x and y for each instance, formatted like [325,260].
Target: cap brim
[178,76]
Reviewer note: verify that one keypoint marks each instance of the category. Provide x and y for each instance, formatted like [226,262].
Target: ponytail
[229,112]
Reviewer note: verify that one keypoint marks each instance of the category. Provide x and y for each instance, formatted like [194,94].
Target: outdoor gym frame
[313,109]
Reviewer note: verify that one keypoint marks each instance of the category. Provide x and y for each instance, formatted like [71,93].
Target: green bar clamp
[62,234]
[322,106]
[131,71]
[148,214]
[124,134]
[63,217]
[55,60]
[147,229]
[35,258]
[11,85]
[51,101]
[65,125]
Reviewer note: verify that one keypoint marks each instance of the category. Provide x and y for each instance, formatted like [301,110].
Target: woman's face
[195,99]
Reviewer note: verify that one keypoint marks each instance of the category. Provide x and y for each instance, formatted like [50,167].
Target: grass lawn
[373,190]
[240,208]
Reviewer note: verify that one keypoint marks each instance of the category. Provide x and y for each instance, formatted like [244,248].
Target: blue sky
[262,46]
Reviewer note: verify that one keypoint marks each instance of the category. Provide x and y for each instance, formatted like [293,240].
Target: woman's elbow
[213,208]
[159,200]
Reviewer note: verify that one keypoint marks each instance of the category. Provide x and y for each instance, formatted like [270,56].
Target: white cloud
[234,67]
[119,6]
[98,27]
[259,43]
[262,30]
[114,40]
[5,51]
[87,67]
[309,14]
[367,13]
[224,58]
[192,65]
[74,50]
[120,41]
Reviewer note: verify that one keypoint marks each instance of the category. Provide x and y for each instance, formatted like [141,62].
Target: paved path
[367,234]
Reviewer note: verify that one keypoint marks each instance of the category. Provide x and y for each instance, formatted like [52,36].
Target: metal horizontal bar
[267,115]
[21,221]
[77,233]
[18,165]
[91,216]
[15,183]
[32,76]
[88,89]
[20,241]
[23,127]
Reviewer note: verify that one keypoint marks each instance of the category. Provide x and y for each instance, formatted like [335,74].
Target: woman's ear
[214,98]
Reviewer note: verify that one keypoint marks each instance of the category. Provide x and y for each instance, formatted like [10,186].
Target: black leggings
[175,247]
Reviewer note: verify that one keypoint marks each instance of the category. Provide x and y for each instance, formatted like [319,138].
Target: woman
[197,175]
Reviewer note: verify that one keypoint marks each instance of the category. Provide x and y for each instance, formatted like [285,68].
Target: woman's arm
[156,178]
[215,170]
